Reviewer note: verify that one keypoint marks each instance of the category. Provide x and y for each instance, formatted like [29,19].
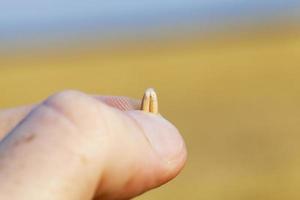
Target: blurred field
[236,101]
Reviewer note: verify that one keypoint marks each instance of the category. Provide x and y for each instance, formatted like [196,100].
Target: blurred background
[227,74]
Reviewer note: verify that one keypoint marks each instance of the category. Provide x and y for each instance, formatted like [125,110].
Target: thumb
[73,146]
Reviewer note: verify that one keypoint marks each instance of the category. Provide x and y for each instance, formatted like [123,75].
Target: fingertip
[120,102]
[165,140]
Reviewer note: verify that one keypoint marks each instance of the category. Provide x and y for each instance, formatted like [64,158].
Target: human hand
[74,146]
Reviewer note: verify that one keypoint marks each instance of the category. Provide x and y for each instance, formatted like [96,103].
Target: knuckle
[78,107]
[68,102]
[64,97]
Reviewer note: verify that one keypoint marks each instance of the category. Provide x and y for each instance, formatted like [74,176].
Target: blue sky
[51,18]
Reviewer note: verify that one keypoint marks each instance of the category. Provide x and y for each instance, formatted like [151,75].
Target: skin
[75,146]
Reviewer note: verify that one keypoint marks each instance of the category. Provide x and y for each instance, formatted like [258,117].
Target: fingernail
[162,135]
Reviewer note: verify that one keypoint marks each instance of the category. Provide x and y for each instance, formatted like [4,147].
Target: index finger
[10,117]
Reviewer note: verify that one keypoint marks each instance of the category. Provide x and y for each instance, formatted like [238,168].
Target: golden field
[236,101]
